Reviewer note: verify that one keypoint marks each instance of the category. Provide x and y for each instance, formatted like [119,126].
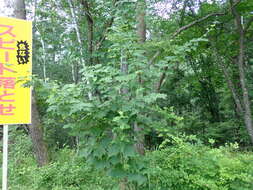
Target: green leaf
[117,172]
[140,179]
[113,150]
[129,151]
[114,160]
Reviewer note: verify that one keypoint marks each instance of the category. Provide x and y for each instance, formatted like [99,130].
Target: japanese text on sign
[15,70]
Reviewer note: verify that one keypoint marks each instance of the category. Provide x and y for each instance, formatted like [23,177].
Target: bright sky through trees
[4,11]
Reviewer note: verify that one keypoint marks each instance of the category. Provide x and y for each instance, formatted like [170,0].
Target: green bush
[180,166]
[66,171]
[185,166]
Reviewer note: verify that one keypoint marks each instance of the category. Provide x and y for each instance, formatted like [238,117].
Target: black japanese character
[23,52]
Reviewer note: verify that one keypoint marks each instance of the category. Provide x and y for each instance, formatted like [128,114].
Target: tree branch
[162,77]
[193,24]
[196,22]
[185,28]
[203,19]
[102,38]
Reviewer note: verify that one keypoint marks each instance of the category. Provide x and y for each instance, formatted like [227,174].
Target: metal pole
[5,158]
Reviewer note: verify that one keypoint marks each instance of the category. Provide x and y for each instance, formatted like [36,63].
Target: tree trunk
[141,24]
[19,9]
[141,33]
[36,131]
[242,75]
[123,184]
[232,88]
[44,56]
[246,101]
[90,26]
[75,70]
[78,33]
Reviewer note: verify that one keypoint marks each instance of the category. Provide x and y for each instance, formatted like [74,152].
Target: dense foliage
[185,164]
[136,95]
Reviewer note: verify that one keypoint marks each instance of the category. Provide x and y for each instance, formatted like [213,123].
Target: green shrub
[185,166]
[179,166]
[66,172]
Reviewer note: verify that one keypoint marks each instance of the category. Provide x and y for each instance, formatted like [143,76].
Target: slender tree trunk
[141,33]
[90,27]
[230,83]
[90,40]
[231,86]
[124,91]
[240,63]
[124,70]
[246,101]
[36,130]
[78,34]
[141,24]
[44,56]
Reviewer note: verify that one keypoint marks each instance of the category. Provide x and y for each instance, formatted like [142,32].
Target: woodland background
[137,95]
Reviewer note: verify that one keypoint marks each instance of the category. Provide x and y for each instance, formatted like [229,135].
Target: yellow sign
[15,70]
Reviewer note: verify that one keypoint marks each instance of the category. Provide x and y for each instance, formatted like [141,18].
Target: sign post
[5,157]
[15,72]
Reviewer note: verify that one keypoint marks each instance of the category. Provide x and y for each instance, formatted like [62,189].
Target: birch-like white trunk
[78,34]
